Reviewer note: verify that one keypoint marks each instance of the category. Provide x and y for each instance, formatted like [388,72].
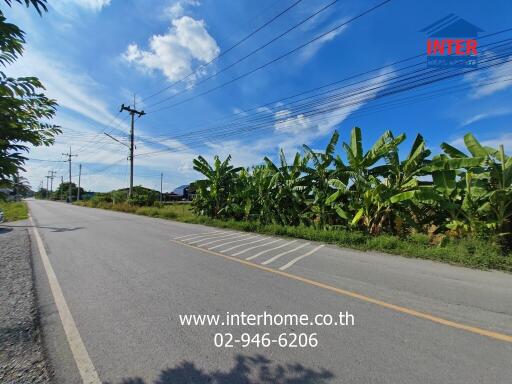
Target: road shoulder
[22,353]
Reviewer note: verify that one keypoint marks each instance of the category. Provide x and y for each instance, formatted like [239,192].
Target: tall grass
[14,210]
[472,253]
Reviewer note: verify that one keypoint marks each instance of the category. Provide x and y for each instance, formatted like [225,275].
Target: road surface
[126,279]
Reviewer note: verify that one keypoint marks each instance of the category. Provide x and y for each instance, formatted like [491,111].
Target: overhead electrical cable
[245,38]
[296,49]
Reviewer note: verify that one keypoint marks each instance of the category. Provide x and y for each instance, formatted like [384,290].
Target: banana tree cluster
[374,191]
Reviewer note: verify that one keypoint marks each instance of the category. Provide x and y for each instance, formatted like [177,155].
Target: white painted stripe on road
[256,246]
[82,359]
[207,235]
[244,244]
[218,236]
[284,253]
[234,241]
[288,265]
[196,234]
[270,249]
[235,236]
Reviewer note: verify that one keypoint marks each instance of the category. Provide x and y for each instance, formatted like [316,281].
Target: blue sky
[92,55]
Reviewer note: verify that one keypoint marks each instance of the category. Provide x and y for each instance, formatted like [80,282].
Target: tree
[213,192]
[21,186]
[63,190]
[24,109]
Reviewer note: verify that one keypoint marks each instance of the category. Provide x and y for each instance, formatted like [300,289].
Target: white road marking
[244,244]
[233,236]
[195,234]
[288,265]
[283,253]
[270,249]
[234,241]
[218,236]
[82,359]
[256,246]
[209,235]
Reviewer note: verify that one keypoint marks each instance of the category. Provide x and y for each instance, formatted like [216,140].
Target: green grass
[467,252]
[14,210]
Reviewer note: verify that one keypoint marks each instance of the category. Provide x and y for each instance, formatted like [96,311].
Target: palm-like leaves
[375,191]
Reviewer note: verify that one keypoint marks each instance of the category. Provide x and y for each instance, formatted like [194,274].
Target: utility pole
[69,155]
[52,176]
[161,185]
[62,186]
[79,176]
[132,112]
[47,178]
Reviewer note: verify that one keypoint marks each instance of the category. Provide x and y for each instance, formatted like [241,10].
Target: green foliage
[24,108]
[14,210]
[473,253]
[166,211]
[452,195]
[63,191]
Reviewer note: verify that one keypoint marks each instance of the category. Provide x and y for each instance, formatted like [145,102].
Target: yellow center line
[355,295]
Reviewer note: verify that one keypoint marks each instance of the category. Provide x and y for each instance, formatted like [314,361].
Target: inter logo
[452,42]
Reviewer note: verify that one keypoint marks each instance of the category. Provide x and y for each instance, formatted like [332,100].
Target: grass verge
[472,253]
[14,210]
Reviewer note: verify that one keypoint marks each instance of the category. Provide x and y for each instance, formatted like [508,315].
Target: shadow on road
[54,229]
[5,229]
[247,370]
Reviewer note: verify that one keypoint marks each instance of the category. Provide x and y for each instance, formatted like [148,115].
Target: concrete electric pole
[47,179]
[79,176]
[132,112]
[69,155]
[52,176]
[161,186]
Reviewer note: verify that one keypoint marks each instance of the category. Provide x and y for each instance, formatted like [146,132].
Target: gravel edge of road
[23,357]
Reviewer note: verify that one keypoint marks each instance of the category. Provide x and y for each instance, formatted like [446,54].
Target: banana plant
[287,189]
[319,171]
[365,201]
[213,192]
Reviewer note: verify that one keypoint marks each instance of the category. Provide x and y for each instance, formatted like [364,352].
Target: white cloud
[291,124]
[93,5]
[69,7]
[486,115]
[313,48]
[264,110]
[73,89]
[303,128]
[177,8]
[175,53]
[491,80]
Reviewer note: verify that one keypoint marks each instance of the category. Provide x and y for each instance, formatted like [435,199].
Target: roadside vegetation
[15,210]
[182,212]
[452,207]
[26,111]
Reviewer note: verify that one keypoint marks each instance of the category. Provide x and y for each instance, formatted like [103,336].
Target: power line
[366,110]
[391,65]
[314,14]
[431,74]
[267,23]
[296,49]
[397,89]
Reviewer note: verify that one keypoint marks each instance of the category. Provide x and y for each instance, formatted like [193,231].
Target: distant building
[181,191]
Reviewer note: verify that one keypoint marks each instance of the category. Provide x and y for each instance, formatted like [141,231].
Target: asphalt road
[126,279]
